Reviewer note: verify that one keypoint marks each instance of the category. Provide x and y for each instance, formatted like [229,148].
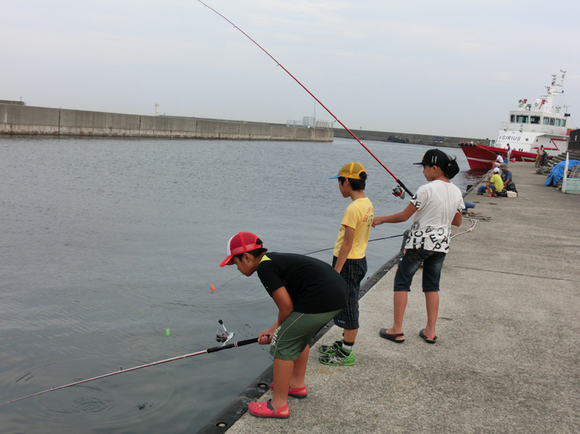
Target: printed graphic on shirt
[428,238]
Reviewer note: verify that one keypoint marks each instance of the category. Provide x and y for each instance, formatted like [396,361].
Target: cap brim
[334,177]
[227,261]
[418,164]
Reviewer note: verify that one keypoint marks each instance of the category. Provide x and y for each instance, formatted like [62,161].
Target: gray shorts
[297,331]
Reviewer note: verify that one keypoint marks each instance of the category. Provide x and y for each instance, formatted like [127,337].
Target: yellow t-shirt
[497,181]
[359,216]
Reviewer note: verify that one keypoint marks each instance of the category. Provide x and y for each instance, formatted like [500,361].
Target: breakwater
[16,119]
[417,139]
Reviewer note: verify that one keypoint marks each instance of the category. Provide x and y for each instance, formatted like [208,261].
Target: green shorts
[297,331]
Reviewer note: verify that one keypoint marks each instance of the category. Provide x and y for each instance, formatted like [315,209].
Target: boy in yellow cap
[349,259]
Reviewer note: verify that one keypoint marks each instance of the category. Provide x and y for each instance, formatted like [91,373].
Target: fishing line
[223,337]
[332,248]
[318,251]
[312,95]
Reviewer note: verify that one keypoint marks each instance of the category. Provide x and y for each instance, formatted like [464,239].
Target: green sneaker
[338,358]
[330,349]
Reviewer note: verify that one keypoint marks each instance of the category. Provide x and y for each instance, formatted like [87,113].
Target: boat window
[552,121]
[521,119]
[512,118]
[534,119]
[560,122]
[546,121]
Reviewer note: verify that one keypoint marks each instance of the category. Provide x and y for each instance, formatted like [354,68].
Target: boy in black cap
[436,206]
[308,293]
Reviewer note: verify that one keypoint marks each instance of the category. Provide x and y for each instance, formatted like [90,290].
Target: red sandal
[297,392]
[265,409]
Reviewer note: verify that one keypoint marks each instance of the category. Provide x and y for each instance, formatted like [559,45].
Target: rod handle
[232,345]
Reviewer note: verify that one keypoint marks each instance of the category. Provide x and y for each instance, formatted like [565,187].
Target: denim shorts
[410,263]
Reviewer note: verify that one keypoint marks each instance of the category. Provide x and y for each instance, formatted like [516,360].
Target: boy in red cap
[436,206]
[349,259]
[308,293]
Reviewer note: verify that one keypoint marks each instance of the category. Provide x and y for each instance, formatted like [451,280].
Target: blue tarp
[557,172]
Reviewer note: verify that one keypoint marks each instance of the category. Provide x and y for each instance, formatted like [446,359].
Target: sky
[446,67]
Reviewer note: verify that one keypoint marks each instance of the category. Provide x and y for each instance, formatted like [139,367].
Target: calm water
[107,243]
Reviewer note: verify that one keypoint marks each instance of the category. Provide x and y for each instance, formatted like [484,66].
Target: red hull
[482,156]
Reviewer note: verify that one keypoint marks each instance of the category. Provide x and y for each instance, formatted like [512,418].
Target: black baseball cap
[435,157]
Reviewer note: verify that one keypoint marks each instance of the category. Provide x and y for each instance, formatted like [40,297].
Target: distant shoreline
[417,139]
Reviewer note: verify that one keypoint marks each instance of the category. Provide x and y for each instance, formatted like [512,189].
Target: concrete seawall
[29,120]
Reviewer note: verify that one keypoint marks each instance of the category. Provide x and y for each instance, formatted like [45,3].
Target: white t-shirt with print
[437,203]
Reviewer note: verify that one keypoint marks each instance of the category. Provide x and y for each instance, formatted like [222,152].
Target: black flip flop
[391,336]
[429,341]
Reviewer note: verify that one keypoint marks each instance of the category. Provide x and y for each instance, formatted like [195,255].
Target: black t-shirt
[313,285]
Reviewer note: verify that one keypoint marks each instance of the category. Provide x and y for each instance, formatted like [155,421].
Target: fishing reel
[398,192]
[225,336]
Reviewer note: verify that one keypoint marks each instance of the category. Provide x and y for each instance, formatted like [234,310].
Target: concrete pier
[507,355]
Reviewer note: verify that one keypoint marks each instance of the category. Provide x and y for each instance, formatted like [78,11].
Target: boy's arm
[345,248]
[457,219]
[285,308]
[399,217]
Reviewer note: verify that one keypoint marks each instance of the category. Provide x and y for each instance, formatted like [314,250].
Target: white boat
[530,127]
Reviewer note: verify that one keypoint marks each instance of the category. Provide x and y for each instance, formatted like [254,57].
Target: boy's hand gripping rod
[316,99]
[224,337]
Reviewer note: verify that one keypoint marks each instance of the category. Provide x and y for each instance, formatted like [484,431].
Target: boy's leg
[299,372]
[407,268]
[432,304]
[349,336]
[431,278]
[399,306]
[352,272]
[282,374]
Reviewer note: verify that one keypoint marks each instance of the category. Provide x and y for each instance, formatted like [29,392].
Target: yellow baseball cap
[350,170]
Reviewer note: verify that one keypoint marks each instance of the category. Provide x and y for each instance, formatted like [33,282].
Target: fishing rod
[331,248]
[396,191]
[223,337]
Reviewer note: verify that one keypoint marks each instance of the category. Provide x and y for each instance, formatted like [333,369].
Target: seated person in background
[495,184]
[506,176]
[498,160]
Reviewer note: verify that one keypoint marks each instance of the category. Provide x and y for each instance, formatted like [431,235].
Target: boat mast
[547,104]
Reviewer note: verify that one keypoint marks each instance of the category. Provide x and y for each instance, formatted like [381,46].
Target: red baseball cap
[240,243]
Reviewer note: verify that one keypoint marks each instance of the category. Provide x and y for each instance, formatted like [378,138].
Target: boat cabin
[516,118]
